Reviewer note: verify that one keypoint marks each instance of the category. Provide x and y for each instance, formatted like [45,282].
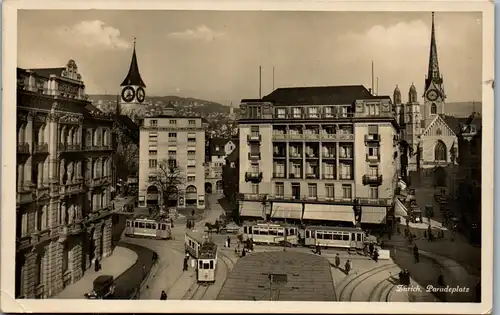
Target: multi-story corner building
[318,154]
[64,157]
[180,140]
[217,151]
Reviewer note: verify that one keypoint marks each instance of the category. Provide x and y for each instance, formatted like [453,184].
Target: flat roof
[308,278]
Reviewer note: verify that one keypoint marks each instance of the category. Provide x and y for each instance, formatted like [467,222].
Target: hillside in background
[463,109]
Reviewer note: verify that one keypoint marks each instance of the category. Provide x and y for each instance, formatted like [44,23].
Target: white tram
[329,236]
[271,233]
[149,227]
[201,248]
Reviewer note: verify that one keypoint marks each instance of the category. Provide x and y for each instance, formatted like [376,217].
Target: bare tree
[127,153]
[169,179]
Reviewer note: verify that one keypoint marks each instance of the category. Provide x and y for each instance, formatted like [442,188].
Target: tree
[127,153]
[169,179]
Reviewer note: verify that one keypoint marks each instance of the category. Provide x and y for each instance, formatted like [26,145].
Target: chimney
[370,90]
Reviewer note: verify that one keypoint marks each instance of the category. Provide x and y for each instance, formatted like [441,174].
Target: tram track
[382,291]
[347,291]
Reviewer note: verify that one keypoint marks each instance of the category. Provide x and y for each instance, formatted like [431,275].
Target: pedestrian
[416,255]
[228,242]
[243,253]
[163,295]
[143,271]
[407,277]
[97,265]
[401,278]
[365,250]
[337,261]
[192,213]
[375,255]
[371,249]
[155,256]
[440,280]
[185,266]
[347,267]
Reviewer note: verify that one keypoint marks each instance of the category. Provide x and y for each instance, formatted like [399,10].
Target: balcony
[312,175]
[328,176]
[372,138]
[311,136]
[296,136]
[254,177]
[191,143]
[24,196]
[372,158]
[279,155]
[375,202]
[172,140]
[252,197]
[279,175]
[98,181]
[372,179]
[328,156]
[69,189]
[294,155]
[329,136]
[315,199]
[40,148]
[254,137]
[345,157]
[294,176]
[98,148]
[345,137]
[38,237]
[280,136]
[345,177]
[76,228]
[254,155]
[64,147]
[23,148]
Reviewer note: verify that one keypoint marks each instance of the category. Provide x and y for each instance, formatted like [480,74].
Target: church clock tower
[434,95]
[133,89]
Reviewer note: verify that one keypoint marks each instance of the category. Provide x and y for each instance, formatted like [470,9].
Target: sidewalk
[114,265]
[120,203]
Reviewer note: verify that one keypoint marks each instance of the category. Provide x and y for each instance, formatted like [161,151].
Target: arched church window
[440,151]
[433,109]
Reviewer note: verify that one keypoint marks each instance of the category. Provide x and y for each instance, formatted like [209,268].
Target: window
[433,109]
[153,163]
[297,112]
[254,131]
[255,189]
[254,111]
[473,129]
[345,171]
[191,178]
[279,189]
[153,152]
[346,191]
[191,153]
[172,152]
[255,168]
[172,135]
[173,122]
[373,151]
[328,111]
[372,129]
[296,171]
[330,191]
[191,163]
[440,151]
[373,192]
[153,122]
[192,122]
[328,170]
[313,112]
[172,163]
[313,190]
[281,112]
[373,171]
[279,170]
[373,109]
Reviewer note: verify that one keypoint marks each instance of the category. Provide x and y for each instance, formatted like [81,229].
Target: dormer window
[297,112]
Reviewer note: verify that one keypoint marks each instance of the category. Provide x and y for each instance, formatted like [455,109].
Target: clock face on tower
[432,95]
[140,94]
[128,94]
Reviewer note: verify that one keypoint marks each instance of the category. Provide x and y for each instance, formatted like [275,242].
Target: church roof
[446,120]
[320,95]
[133,76]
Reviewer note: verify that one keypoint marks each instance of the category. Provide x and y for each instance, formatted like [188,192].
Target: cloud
[201,32]
[95,34]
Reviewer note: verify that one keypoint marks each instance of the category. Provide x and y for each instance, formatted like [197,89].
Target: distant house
[230,178]
[216,151]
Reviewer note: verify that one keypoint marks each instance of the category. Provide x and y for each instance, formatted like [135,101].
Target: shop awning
[373,215]
[252,209]
[284,210]
[344,213]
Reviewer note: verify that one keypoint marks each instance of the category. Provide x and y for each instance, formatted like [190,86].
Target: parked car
[103,288]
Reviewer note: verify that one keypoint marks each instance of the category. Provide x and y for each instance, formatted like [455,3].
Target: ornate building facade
[64,163]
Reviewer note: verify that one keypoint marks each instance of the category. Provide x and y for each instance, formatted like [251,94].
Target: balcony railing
[328,155]
[279,155]
[279,175]
[314,116]
[345,177]
[172,139]
[98,148]
[71,188]
[296,136]
[294,176]
[346,137]
[328,136]
[377,201]
[294,155]
[254,138]
[321,135]
[311,136]
[41,148]
[254,155]
[345,156]
[279,136]
[23,148]
[373,158]
[312,175]
[372,179]
[312,156]
[253,176]
[64,147]
[298,198]
[372,138]
[328,176]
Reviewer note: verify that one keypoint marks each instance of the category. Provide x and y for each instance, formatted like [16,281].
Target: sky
[215,55]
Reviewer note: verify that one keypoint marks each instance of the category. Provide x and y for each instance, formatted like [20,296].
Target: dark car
[103,288]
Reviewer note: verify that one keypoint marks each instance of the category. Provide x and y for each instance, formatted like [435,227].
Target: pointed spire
[133,76]
[433,74]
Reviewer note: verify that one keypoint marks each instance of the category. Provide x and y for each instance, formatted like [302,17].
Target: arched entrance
[218,187]
[439,177]
[208,188]
[152,196]
[191,195]
[173,196]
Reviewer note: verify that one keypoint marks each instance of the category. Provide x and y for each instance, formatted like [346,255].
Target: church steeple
[433,74]
[133,77]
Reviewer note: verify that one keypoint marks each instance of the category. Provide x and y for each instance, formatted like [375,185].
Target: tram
[201,248]
[156,227]
[338,237]
[271,233]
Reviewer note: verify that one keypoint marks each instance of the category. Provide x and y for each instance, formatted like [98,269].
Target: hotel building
[181,139]
[318,155]
[64,181]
